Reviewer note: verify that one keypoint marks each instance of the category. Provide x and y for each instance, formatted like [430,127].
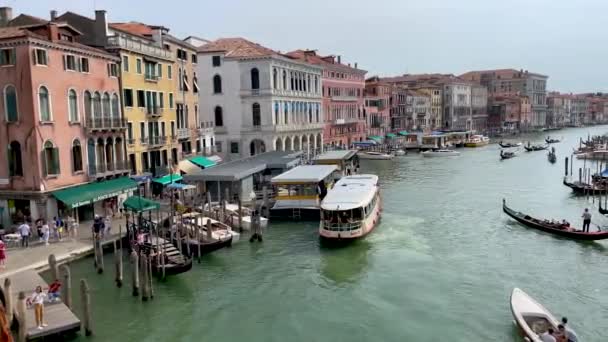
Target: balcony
[139,46]
[344,98]
[205,131]
[130,141]
[151,78]
[106,124]
[159,140]
[183,133]
[346,121]
[293,127]
[108,169]
[154,110]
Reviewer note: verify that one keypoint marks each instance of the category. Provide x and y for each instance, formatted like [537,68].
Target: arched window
[286,121]
[274,78]
[15,164]
[318,118]
[291,79]
[255,78]
[181,83]
[255,114]
[45,104]
[217,84]
[76,156]
[73,105]
[276,113]
[284,79]
[97,106]
[50,158]
[115,107]
[308,83]
[106,106]
[309,112]
[316,84]
[219,117]
[10,104]
[88,102]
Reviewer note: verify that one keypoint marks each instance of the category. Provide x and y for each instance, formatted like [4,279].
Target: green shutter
[14,56]
[43,163]
[56,166]
[11,162]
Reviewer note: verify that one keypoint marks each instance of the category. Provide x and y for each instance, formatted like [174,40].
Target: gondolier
[586,220]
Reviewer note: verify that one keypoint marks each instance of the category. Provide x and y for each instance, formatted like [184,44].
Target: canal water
[439,267]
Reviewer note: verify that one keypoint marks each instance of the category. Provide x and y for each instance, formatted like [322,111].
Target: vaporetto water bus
[351,209]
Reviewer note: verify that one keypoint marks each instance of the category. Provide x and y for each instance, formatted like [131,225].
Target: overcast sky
[563,39]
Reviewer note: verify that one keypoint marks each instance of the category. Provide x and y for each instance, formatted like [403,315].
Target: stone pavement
[36,256]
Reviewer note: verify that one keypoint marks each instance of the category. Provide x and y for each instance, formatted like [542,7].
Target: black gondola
[532,148]
[580,188]
[508,145]
[552,156]
[553,228]
[548,140]
[602,211]
[174,261]
[506,155]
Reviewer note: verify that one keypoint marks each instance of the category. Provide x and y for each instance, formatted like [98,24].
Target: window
[159,73]
[45,104]
[73,105]
[216,61]
[128,97]
[161,99]
[142,130]
[217,84]
[40,57]
[115,106]
[106,105]
[112,70]
[218,146]
[138,66]
[171,100]
[69,62]
[186,86]
[7,57]
[181,54]
[234,147]
[76,156]
[255,113]
[141,99]
[129,131]
[125,63]
[255,78]
[194,83]
[15,165]
[274,78]
[169,72]
[219,117]
[11,110]
[88,102]
[194,59]
[173,128]
[284,85]
[84,64]
[50,159]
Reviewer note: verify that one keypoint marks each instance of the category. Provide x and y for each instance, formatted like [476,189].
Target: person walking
[586,220]
[37,299]
[2,254]
[46,233]
[24,231]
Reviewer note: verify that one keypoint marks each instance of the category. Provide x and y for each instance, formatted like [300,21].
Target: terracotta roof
[310,56]
[134,28]
[503,73]
[237,47]
[12,32]
[26,19]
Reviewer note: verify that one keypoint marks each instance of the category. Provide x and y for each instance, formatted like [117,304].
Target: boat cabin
[300,190]
[346,161]
[435,141]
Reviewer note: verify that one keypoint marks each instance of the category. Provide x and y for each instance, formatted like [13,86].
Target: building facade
[258,99]
[377,107]
[436,95]
[61,123]
[421,111]
[342,88]
[457,105]
[479,108]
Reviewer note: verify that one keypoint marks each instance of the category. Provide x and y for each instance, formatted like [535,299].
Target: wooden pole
[85,297]
[135,274]
[53,267]
[566,166]
[266,204]
[198,239]
[66,287]
[580,175]
[179,238]
[240,214]
[209,202]
[188,232]
[145,292]
[151,289]
[118,264]
[22,318]
[99,249]
[8,300]
[209,229]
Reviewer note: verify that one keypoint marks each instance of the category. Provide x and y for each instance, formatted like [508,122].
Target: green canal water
[440,266]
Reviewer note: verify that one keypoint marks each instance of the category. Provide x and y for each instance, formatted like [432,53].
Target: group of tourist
[563,334]
[58,229]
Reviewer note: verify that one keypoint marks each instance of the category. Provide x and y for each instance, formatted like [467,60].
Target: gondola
[548,140]
[509,145]
[506,155]
[174,261]
[553,228]
[552,156]
[580,188]
[602,211]
[532,148]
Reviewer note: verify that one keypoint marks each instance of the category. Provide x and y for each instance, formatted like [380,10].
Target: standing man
[24,231]
[586,220]
[569,333]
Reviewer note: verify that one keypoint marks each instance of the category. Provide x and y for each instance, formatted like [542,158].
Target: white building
[457,105]
[259,99]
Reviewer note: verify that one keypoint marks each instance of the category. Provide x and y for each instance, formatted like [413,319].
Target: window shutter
[34,56]
[13,56]
[79,64]
[56,166]
[65,63]
[43,162]
[108,67]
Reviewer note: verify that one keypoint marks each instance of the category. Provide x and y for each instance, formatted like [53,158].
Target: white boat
[595,155]
[477,141]
[399,152]
[351,209]
[531,317]
[371,155]
[440,153]
[233,213]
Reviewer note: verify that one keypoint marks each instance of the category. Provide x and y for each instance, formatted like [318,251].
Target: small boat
[594,155]
[556,228]
[233,217]
[440,153]
[531,318]
[581,188]
[509,145]
[399,152]
[506,155]
[532,148]
[603,211]
[371,155]
[477,141]
[221,235]
[174,261]
[548,140]
[552,156]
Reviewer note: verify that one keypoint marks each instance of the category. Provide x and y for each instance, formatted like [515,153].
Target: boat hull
[522,307]
[172,269]
[375,156]
[367,226]
[206,247]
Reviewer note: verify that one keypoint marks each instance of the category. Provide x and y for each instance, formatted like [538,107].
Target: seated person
[53,292]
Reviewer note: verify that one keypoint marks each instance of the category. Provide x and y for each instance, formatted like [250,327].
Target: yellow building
[434,91]
[148,79]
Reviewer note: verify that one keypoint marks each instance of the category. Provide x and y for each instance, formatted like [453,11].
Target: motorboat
[531,317]
[477,141]
[246,220]
[351,209]
[372,155]
[399,152]
[440,153]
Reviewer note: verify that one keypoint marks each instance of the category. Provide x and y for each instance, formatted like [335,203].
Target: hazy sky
[563,39]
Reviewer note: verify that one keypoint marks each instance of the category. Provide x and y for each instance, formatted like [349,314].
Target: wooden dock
[58,316]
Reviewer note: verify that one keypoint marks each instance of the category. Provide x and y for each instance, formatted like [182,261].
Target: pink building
[342,87]
[61,121]
[378,107]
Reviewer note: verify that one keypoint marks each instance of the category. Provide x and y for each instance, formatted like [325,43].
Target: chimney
[6,15]
[100,28]
[355,65]
[53,32]
[53,15]
[339,59]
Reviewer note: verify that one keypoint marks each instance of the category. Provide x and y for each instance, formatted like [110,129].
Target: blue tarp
[365,143]
[605,173]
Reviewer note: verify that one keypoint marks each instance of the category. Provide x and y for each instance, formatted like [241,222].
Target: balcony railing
[151,78]
[99,124]
[106,169]
[205,131]
[135,45]
[346,121]
[345,98]
[157,140]
[183,133]
[154,110]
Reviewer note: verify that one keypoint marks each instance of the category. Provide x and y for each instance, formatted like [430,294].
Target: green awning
[403,133]
[202,162]
[140,204]
[390,135]
[80,195]
[168,179]
[375,138]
